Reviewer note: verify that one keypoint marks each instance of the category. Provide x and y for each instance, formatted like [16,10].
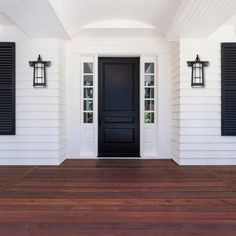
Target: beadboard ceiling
[200,18]
[172,19]
[36,18]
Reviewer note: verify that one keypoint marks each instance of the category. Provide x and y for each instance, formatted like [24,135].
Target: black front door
[118,133]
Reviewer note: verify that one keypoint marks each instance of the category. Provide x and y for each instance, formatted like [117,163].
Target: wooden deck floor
[117,197]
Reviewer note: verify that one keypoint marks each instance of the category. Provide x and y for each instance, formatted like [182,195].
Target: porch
[117,197]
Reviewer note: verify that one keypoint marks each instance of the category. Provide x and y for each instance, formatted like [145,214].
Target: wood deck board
[118,197]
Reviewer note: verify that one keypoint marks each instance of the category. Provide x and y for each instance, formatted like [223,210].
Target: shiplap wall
[37,109]
[175,101]
[200,108]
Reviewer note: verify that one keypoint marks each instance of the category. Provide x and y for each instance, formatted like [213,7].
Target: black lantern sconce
[39,79]
[197,72]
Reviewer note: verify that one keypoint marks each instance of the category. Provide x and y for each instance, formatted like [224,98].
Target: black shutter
[228,96]
[7,88]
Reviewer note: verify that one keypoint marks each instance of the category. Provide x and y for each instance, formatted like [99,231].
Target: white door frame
[148,132]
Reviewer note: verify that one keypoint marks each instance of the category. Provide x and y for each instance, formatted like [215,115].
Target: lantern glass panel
[39,73]
[197,73]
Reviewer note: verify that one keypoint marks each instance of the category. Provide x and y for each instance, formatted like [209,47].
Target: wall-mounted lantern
[39,79]
[197,72]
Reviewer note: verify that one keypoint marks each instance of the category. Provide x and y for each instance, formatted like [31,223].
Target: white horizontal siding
[207,161]
[207,139]
[37,92]
[200,100]
[197,92]
[32,162]
[37,100]
[37,123]
[36,131]
[28,84]
[37,109]
[29,146]
[29,139]
[198,123]
[210,154]
[200,115]
[199,131]
[29,154]
[210,84]
[34,115]
[200,108]
[208,146]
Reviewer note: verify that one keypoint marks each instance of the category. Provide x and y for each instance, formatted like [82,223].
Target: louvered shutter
[228,64]
[7,88]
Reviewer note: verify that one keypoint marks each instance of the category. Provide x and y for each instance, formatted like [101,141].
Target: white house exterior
[49,121]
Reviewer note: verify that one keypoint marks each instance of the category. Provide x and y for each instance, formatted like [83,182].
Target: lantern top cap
[197,58]
[39,59]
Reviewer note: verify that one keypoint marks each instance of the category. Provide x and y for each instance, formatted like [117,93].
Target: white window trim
[151,60]
[86,59]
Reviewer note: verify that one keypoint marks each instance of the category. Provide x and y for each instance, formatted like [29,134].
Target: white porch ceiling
[65,19]
[35,17]
[200,18]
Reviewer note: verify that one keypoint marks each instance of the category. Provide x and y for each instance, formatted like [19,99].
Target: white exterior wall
[37,109]
[62,100]
[82,141]
[48,120]
[200,141]
[175,101]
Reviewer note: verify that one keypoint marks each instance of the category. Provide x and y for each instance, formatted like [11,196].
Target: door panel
[118,133]
[118,79]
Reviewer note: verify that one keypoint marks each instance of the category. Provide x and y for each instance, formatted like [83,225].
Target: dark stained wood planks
[117,197]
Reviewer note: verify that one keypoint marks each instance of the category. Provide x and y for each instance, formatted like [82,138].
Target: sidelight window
[88,89]
[149,93]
